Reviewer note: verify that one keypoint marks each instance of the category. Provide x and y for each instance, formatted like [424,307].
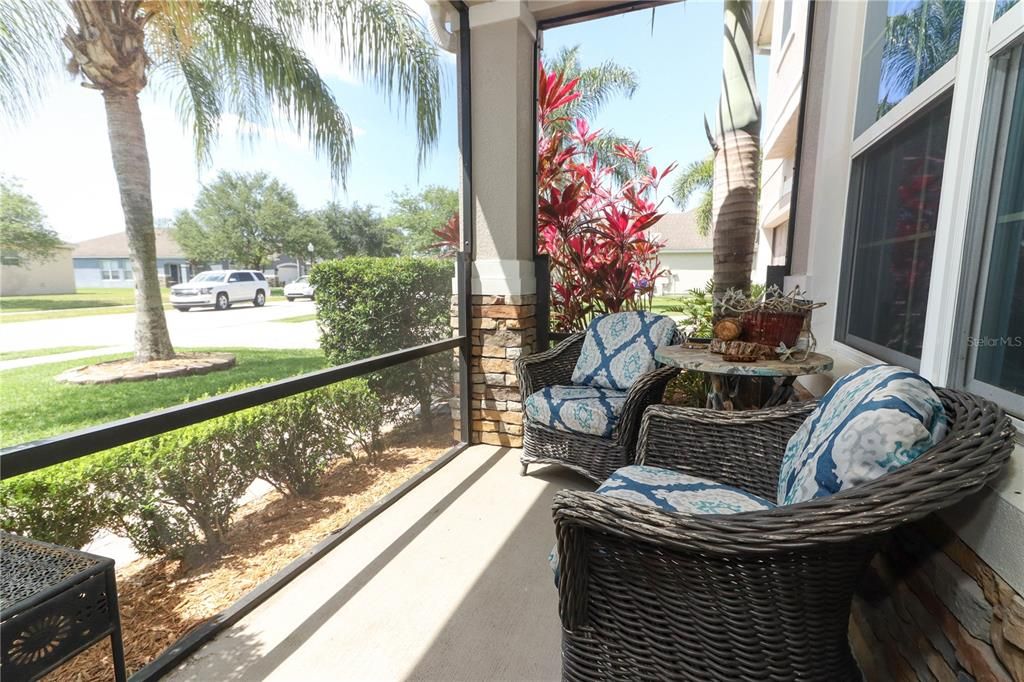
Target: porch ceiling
[451,582]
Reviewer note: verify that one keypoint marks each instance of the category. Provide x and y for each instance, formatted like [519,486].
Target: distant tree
[245,218]
[699,176]
[358,230]
[23,229]
[417,215]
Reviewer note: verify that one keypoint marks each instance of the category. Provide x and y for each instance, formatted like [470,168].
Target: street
[241,326]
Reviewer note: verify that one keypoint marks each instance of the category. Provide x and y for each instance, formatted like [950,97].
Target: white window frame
[110,270]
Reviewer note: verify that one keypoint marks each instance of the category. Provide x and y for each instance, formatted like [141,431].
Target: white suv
[221,288]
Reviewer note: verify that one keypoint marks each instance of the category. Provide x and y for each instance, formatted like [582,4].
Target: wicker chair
[649,594]
[592,456]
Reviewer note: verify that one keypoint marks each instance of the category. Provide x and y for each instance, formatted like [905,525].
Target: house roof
[679,232]
[116,246]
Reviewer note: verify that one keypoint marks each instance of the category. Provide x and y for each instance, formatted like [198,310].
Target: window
[240,277]
[260,276]
[905,42]
[996,344]
[126,269]
[10,259]
[894,202]
[1002,6]
[787,19]
[110,270]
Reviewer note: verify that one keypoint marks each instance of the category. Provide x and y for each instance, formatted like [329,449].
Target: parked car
[300,288]
[221,289]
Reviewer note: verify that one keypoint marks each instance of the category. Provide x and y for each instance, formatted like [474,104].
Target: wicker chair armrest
[553,367]
[742,449]
[645,391]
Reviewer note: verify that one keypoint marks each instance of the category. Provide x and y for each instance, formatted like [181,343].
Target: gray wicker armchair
[650,594]
[592,456]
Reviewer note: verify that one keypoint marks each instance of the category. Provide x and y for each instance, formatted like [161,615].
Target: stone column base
[504,328]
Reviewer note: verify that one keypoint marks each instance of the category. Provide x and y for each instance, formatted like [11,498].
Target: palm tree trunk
[131,166]
[737,158]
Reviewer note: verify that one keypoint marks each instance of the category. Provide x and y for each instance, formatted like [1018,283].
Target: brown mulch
[162,599]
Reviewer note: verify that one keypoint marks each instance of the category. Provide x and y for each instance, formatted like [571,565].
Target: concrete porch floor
[449,583]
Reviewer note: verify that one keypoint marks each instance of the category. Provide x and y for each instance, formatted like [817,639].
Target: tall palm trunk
[108,48]
[131,166]
[737,157]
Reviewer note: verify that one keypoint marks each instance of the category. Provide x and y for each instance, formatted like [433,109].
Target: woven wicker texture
[650,594]
[592,456]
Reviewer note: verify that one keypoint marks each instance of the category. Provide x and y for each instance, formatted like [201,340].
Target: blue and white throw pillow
[581,409]
[675,492]
[871,422]
[619,349]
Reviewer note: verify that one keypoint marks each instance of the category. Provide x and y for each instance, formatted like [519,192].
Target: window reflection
[906,41]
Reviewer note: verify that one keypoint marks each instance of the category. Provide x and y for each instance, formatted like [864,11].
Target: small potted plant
[763,327]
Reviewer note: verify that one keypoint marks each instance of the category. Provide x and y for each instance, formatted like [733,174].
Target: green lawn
[85,298]
[660,304]
[33,405]
[38,352]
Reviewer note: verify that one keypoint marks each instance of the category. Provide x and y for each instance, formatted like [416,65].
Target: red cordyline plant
[595,231]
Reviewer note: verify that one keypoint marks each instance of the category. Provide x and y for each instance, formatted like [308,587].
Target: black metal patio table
[55,602]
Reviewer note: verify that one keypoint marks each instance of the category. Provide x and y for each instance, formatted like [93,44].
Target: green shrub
[371,306]
[175,494]
[287,444]
[58,504]
[354,415]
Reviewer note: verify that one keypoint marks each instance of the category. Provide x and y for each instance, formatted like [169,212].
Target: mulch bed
[162,599]
[116,371]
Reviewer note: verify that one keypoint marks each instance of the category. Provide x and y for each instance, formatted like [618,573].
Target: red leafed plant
[595,231]
[449,236]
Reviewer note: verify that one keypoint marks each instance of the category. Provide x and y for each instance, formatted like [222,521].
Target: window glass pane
[1002,6]
[893,234]
[1000,343]
[787,18]
[905,42]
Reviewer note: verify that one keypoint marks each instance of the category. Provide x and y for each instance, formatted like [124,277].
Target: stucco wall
[55,276]
[687,271]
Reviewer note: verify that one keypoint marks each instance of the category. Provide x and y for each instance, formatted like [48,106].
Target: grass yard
[85,298]
[33,405]
[661,304]
[39,352]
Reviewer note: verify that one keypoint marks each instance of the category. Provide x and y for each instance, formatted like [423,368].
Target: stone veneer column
[504,285]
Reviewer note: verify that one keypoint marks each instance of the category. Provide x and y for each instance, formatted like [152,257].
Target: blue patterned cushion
[619,349]
[673,491]
[676,492]
[870,422]
[582,409]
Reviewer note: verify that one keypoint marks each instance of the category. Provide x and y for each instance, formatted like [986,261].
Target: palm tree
[222,58]
[699,176]
[597,85]
[737,155]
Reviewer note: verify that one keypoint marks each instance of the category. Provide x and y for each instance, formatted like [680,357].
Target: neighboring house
[686,257]
[105,261]
[20,277]
[780,29]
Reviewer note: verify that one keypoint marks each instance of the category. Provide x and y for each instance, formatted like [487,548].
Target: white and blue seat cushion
[675,492]
[619,348]
[579,409]
[871,422]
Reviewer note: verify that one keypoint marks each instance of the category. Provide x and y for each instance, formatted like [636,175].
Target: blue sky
[61,154]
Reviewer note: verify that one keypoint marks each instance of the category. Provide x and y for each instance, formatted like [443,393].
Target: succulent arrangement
[766,327]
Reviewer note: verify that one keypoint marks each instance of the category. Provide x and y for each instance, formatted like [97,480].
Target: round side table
[723,373]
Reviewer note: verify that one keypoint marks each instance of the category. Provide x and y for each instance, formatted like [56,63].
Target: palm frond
[597,84]
[623,170]
[31,52]
[387,44]
[698,176]
[259,62]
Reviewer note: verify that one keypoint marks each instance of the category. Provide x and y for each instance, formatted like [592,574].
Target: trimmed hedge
[371,306]
[175,494]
